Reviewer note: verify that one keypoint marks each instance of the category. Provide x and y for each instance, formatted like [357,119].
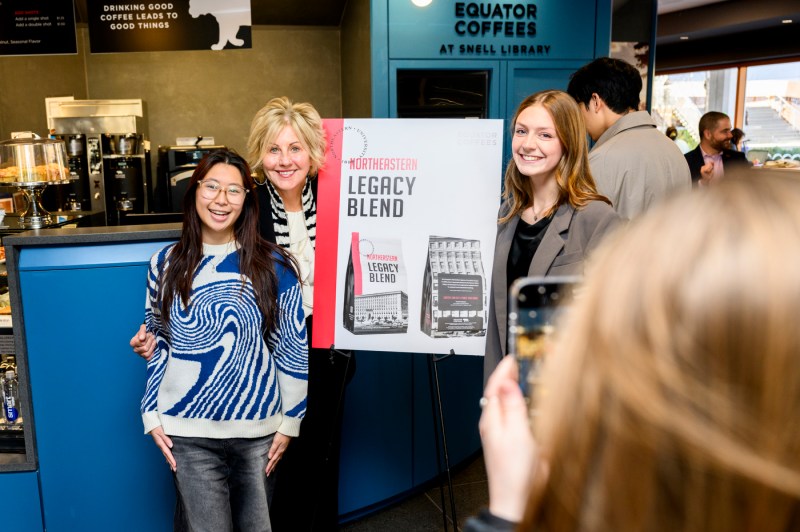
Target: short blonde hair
[675,393]
[273,117]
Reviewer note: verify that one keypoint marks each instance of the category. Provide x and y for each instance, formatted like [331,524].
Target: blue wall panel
[21,507]
[461,387]
[98,470]
[376,455]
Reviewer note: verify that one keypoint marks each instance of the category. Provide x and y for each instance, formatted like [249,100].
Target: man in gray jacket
[633,163]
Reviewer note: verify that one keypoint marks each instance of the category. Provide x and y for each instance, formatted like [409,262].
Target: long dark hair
[256,260]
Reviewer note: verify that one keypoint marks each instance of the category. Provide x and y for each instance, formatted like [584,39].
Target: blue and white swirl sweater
[212,374]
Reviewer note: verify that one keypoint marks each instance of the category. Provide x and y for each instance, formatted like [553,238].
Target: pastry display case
[32,165]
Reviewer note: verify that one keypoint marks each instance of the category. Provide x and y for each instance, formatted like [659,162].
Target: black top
[526,241]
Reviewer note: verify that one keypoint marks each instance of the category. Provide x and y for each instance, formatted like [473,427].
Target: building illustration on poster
[454,298]
[375,299]
[407,214]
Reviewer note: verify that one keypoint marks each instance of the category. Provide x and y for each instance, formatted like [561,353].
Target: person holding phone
[552,216]
[226,385]
[673,390]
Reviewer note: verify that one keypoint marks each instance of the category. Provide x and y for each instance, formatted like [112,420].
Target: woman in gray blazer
[552,215]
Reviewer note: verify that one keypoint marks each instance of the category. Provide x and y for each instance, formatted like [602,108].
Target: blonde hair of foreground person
[676,392]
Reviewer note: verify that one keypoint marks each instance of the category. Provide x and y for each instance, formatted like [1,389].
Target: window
[770,101]
[772,112]
[681,99]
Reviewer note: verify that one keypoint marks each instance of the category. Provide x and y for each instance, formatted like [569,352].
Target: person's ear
[598,102]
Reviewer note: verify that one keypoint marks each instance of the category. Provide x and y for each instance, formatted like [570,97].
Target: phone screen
[535,306]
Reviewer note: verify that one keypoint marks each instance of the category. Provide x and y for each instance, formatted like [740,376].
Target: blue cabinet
[80,303]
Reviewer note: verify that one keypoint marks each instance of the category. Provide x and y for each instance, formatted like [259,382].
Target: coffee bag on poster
[375,298]
[454,298]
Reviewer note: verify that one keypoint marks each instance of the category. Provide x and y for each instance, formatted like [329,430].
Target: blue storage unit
[81,294]
[22,511]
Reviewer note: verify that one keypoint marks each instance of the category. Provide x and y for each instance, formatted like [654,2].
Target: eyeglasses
[210,189]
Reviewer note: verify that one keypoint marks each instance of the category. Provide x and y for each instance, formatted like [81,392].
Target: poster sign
[37,27]
[406,222]
[125,26]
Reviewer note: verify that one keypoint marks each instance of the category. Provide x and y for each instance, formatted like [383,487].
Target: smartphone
[535,307]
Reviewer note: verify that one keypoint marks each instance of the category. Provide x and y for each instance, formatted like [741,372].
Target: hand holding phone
[535,304]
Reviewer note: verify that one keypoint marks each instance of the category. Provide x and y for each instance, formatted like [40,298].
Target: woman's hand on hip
[279,444]
[165,444]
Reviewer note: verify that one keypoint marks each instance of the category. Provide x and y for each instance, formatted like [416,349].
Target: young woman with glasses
[227,381]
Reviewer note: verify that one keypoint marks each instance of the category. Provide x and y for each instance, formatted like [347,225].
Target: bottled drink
[11,398]
[3,423]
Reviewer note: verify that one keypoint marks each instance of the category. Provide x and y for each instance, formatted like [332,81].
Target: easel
[329,444]
[436,401]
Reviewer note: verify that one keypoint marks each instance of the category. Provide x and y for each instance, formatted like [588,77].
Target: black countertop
[89,235]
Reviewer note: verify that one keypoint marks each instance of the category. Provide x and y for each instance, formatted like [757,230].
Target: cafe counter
[78,296]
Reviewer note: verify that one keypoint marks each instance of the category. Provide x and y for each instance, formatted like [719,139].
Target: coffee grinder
[124,175]
[75,195]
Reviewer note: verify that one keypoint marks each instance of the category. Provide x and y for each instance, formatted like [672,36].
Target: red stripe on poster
[328,192]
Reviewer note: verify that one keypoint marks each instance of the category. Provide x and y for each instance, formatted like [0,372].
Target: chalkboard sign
[124,26]
[37,27]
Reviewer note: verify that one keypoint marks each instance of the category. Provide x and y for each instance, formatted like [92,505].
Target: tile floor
[423,512]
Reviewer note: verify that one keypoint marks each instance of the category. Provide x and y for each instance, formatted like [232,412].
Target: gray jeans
[221,485]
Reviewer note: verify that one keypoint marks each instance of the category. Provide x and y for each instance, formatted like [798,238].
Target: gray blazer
[570,237]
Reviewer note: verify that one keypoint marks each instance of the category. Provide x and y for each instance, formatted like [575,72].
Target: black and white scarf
[281,224]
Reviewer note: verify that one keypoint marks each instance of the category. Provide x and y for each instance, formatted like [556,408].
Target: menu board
[37,27]
[124,26]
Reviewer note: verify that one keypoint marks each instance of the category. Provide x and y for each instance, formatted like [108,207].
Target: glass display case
[32,165]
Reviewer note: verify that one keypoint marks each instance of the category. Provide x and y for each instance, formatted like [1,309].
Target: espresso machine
[116,153]
[75,195]
[174,170]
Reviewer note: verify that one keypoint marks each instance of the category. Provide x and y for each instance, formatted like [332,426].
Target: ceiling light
[421,3]
[786,21]
[684,37]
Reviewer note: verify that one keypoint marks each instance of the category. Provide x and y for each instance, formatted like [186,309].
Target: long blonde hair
[573,177]
[273,117]
[674,393]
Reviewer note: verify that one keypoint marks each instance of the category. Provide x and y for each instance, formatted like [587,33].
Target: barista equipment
[124,175]
[175,166]
[75,195]
[116,153]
